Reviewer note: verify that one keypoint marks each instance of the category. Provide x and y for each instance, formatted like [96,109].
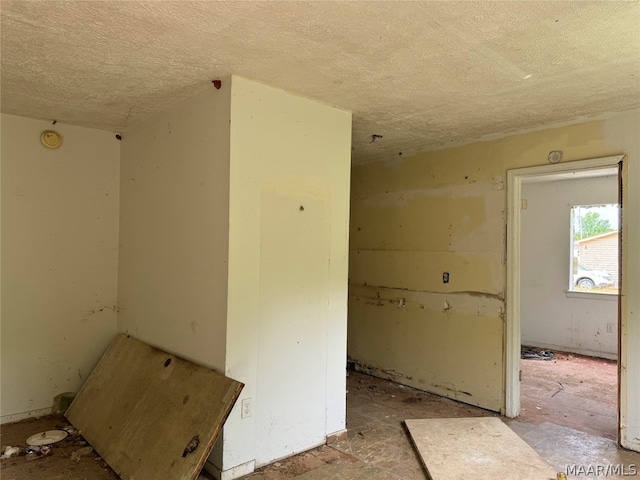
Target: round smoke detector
[50,139]
[555,156]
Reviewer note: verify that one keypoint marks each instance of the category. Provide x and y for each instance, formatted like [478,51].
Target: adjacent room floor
[377,445]
[573,391]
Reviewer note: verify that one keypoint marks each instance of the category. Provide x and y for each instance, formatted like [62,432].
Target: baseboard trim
[16,417]
[232,473]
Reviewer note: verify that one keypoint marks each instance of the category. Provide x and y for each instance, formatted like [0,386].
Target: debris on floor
[9,451]
[47,438]
[81,452]
[53,461]
[529,353]
[70,430]
[35,452]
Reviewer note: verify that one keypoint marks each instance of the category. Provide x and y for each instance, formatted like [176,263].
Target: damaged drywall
[430,229]
[433,240]
[419,344]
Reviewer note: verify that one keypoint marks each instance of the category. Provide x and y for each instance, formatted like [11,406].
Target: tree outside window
[594,262]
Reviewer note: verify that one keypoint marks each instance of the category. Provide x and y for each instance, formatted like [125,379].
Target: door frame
[515,179]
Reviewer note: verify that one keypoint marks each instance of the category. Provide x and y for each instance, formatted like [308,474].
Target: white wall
[174,228]
[59,260]
[286,334]
[550,317]
[219,264]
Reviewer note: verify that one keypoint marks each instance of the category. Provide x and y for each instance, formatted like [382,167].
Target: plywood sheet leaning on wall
[150,414]
[482,448]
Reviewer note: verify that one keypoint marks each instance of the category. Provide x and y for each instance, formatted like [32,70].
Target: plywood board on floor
[482,448]
[150,414]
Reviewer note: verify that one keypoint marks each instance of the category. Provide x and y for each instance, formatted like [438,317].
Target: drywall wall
[234,244]
[174,228]
[415,222]
[414,218]
[59,260]
[288,247]
[585,323]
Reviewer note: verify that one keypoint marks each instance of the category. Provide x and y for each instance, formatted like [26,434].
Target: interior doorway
[518,258]
[568,305]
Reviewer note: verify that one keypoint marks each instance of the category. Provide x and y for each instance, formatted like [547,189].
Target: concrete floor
[556,403]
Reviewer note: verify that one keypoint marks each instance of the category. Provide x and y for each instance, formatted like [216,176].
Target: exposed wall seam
[495,296]
[400,250]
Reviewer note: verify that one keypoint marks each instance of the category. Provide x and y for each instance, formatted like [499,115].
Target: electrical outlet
[609,327]
[247,408]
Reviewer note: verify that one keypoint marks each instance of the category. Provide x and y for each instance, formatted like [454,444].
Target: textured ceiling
[421,74]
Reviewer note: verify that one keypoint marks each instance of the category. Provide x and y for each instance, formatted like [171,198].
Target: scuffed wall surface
[59,260]
[413,219]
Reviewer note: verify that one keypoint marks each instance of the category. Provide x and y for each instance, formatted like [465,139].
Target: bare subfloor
[571,428]
[573,391]
[377,445]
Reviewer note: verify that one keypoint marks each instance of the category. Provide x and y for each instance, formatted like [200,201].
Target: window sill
[612,297]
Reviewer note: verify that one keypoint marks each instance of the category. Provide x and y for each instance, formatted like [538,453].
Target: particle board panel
[150,414]
[481,448]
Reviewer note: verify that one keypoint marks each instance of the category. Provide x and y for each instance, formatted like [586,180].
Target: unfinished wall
[288,237]
[59,260]
[413,220]
[551,317]
[174,229]
[444,211]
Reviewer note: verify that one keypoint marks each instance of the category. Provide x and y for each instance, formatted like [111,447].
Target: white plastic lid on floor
[46,438]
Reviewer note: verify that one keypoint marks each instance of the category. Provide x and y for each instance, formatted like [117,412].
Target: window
[594,259]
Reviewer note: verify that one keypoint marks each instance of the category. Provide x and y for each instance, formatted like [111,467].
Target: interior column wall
[288,237]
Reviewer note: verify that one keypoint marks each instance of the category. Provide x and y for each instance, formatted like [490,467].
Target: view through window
[594,259]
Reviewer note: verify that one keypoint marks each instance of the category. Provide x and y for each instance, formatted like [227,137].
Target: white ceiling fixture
[50,139]
[422,74]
